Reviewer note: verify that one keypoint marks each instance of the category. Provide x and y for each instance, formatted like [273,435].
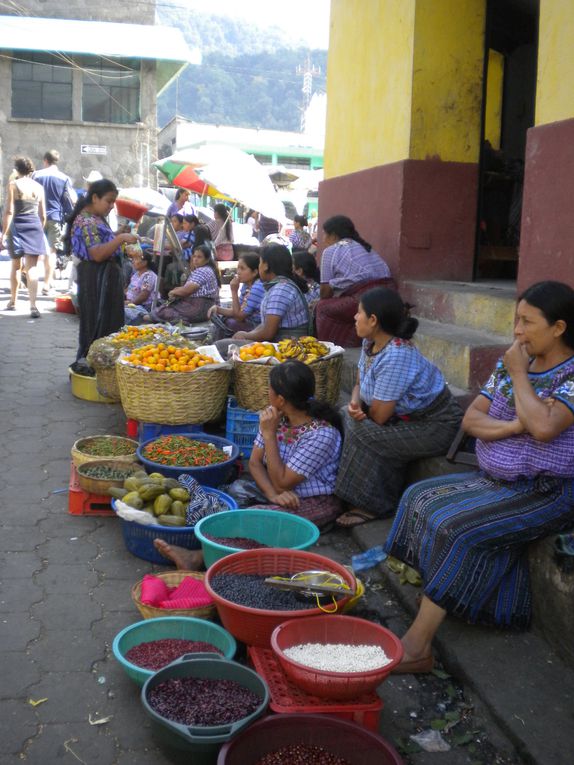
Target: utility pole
[308,70]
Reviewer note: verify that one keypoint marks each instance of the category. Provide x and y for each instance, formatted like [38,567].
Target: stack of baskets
[251,381]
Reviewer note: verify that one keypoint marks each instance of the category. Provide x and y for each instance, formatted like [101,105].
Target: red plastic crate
[81,502]
[286,698]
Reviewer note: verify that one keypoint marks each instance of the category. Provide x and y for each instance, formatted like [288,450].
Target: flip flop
[415,666]
[10,307]
[356,518]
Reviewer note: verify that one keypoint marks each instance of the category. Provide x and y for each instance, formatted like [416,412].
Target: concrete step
[488,307]
[465,356]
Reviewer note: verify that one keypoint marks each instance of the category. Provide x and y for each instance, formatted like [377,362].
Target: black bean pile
[241,543]
[156,654]
[249,590]
[301,754]
[201,701]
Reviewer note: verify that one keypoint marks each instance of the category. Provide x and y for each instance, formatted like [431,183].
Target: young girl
[300,238]
[142,286]
[246,295]
[305,266]
[191,302]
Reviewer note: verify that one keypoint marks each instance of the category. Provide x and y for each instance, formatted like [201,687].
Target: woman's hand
[286,499]
[269,421]
[356,412]
[241,336]
[172,294]
[234,284]
[128,238]
[211,311]
[516,358]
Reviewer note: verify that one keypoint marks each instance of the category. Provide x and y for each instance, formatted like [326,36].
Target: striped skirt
[375,457]
[467,535]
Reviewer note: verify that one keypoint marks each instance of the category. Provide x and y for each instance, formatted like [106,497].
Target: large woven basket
[80,457]
[173,398]
[251,382]
[172,579]
[107,382]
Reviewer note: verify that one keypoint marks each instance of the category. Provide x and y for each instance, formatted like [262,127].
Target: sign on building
[88,148]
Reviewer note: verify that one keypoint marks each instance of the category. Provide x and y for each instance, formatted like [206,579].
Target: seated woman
[221,228]
[191,302]
[400,410]
[349,267]
[294,460]
[246,295]
[300,238]
[187,233]
[305,266]
[467,534]
[142,286]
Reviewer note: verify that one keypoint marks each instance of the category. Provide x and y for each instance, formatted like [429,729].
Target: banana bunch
[306,349]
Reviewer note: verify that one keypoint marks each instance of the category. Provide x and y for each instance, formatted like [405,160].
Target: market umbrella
[179,169]
[280,175]
[153,201]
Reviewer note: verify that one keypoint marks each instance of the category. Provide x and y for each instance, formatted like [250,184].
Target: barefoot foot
[184,560]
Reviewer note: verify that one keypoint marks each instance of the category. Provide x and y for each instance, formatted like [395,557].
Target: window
[301,163]
[41,86]
[111,90]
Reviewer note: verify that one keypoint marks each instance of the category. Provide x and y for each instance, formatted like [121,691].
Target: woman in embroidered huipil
[100,277]
[467,534]
[143,283]
[246,295]
[400,410]
[296,453]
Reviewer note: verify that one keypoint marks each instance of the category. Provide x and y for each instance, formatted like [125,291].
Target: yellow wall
[369,81]
[555,84]
[447,86]
[494,91]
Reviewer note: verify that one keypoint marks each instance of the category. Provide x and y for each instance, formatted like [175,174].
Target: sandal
[35,314]
[10,307]
[354,518]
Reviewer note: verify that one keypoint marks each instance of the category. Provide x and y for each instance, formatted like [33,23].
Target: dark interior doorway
[511,48]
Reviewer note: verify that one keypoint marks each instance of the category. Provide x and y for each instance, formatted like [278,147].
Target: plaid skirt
[375,457]
[467,536]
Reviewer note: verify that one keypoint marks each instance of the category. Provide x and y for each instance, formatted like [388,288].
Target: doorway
[509,95]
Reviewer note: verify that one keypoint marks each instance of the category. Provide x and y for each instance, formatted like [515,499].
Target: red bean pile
[249,590]
[156,654]
[301,754]
[242,543]
[201,701]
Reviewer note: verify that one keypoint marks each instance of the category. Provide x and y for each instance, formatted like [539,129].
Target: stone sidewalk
[65,587]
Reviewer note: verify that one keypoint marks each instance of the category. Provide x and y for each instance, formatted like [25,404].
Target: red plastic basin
[342,630]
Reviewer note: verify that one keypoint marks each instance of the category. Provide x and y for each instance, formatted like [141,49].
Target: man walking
[60,200]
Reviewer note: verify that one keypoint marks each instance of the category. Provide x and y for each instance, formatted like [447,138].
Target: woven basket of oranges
[253,363]
[173,385]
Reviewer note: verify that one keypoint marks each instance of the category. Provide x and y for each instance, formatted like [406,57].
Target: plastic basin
[255,625]
[270,527]
[344,630]
[211,475]
[138,538]
[179,627]
[345,739]
[203,739]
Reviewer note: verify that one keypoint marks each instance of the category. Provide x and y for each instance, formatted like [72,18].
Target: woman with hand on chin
[467,534]
[400,410]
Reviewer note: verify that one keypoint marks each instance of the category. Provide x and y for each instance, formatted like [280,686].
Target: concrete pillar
[547,234]
[404,84]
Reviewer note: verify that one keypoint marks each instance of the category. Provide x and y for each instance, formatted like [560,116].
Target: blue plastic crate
[241,426]
[149,430]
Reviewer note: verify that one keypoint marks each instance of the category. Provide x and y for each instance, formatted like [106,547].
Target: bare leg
[49,264]
[32,277]
[417,641]
[14,280]
[185,560]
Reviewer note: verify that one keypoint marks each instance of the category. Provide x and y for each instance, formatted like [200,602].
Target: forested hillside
[248,76]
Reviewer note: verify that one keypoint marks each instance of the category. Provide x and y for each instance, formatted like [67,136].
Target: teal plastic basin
[270,527]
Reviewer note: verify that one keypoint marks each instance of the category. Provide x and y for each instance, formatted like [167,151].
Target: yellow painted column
[555,83]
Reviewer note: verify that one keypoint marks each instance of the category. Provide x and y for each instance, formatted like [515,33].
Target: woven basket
[107,382]
[173,398]
[172,579]
[102,485]
[251,382]
[80,457]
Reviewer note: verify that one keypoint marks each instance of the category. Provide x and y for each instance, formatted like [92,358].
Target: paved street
[65,587]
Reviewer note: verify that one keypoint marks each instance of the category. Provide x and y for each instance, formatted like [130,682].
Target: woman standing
[221,229]
[300,238]
[23,226]
[100,277]
[247,292]
[400,410]
[349,267]
[467,533]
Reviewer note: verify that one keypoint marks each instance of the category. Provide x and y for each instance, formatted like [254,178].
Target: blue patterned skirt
[467,535]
